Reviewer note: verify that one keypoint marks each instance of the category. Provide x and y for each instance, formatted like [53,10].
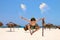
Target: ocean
[15,27]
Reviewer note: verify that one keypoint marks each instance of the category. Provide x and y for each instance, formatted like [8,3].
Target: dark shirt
[34,27]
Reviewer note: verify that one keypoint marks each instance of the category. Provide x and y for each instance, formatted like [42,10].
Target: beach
[20,34]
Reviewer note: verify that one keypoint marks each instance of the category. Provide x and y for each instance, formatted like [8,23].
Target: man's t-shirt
[34,27]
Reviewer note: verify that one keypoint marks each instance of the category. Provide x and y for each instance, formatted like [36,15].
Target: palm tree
[11,25]
[1,24]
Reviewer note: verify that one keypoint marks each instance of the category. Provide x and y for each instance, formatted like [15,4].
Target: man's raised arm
[40,19]
[24,19]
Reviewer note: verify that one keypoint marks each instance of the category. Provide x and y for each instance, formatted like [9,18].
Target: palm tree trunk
[43,24]
[42,31]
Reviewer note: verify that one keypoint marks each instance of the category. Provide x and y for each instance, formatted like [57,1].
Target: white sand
[53,34]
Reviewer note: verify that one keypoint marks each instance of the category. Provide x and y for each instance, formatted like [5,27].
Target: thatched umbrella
[58,27]
[16,25]
[1,24]
[46,25]
[11,25]
[49,26]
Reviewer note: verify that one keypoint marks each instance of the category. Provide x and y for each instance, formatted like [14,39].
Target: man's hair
[33,19]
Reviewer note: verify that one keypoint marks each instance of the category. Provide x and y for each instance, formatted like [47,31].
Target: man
[32,26]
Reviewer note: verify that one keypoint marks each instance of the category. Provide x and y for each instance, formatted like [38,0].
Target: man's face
[33,22]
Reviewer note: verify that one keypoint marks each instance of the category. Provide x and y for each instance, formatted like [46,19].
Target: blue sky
[10,10]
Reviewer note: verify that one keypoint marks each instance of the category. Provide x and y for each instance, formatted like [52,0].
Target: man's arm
[29,29]
[36,29]
[38,19]
[24,19]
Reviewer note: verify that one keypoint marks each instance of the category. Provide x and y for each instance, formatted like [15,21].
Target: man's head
[33,21]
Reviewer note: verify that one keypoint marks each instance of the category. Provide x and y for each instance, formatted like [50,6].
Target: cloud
[23,6]
[44,7]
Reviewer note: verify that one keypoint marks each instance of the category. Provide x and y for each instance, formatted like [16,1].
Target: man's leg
[36,29]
